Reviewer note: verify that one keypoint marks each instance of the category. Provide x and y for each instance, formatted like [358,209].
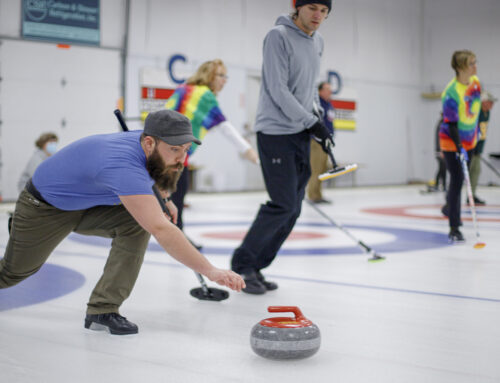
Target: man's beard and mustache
[164,175]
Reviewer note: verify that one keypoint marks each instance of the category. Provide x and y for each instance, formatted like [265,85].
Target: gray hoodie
[36,159]
[290,71]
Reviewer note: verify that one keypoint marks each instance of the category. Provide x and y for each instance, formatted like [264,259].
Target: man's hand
[321,134]
[251,155]
[226,278]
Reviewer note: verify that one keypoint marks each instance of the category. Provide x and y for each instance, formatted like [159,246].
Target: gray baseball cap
[170,126]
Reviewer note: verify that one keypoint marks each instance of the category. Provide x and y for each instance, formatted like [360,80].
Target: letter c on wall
[171,62]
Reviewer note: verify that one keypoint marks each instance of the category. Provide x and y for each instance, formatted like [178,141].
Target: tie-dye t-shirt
[461,104]
[198,103]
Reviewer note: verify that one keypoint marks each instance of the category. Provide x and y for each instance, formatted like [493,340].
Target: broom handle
[330,154]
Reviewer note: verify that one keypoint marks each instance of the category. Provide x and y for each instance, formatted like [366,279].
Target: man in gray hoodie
[284,124]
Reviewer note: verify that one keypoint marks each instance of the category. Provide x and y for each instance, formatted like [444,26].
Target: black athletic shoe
[253,285]
[455,236]
[114,322]
[267,284]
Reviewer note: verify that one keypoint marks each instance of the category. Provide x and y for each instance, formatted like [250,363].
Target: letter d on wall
[335,81]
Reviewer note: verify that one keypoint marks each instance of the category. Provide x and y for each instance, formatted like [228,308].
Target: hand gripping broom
[336,170]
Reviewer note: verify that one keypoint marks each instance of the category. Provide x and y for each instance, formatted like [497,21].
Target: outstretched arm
[243,147]
[147,212]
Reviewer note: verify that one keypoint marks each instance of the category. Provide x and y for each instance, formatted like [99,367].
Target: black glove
[322,136]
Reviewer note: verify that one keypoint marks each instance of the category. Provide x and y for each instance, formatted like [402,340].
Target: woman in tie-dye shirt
[458,134]
[196,99]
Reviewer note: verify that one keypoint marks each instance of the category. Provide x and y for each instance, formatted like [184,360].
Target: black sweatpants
[453,197]
[285,167]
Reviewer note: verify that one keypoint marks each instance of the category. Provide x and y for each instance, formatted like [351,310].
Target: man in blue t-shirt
[102,185]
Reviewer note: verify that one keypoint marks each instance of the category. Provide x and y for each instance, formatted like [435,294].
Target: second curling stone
[285,337]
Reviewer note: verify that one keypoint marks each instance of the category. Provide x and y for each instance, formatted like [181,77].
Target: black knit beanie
[300,3]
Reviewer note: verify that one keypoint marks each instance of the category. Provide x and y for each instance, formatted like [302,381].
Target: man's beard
[164,176]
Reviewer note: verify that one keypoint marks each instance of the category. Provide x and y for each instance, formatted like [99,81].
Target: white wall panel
[10,18]
[112,23]
[71,92]
[203,29]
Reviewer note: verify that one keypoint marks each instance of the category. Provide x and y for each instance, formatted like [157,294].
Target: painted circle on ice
[333,242]
[488,213]
[240,234]
[50,282]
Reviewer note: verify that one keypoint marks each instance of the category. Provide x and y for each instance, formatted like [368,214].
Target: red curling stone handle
[286,322]
[288,309]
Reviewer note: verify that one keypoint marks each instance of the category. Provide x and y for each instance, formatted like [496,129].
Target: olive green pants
[474,170]
[37,228]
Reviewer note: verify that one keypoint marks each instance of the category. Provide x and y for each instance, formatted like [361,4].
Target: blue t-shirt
[94,171]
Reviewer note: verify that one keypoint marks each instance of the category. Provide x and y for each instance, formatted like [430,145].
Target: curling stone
[285,337]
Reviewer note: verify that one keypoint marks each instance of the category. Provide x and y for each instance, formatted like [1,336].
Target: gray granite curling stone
[285,337]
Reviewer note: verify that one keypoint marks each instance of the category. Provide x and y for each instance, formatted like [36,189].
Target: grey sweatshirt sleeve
[275,72]
[36,159]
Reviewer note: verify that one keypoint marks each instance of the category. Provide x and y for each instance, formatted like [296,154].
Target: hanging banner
[156,87]
[344,102]
[158,84]
[63,21]
[345,114]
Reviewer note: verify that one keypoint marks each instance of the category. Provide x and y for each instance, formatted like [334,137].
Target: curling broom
[336,170]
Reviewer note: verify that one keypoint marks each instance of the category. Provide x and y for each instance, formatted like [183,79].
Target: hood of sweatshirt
[287,21]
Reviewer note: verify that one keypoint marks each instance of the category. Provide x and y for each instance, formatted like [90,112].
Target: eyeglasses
[221,75]
[472,63]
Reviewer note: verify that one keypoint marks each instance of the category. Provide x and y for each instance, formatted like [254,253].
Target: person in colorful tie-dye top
[196,99]
[458,134]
